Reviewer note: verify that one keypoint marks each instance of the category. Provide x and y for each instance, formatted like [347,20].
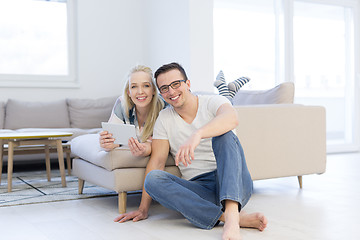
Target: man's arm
[226,119]
[159,155]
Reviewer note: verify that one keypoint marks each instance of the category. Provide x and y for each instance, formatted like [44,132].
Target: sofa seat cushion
[88,148]
[119,180]
[25,114]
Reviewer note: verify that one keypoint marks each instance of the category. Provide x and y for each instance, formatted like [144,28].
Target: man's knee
[224,139]
[152,179]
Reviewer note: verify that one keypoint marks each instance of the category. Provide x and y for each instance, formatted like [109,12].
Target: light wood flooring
[327,208]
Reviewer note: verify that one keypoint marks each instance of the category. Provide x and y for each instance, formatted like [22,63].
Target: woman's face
[141,90]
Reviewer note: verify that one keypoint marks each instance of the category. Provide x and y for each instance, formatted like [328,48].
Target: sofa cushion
[89,113]
[283,94]
[25,114]
[2,114]
[88,148]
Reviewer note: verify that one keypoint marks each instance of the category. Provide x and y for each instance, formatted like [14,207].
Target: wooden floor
[327,208]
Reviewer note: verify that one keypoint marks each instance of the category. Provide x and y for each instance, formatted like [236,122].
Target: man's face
[175,97]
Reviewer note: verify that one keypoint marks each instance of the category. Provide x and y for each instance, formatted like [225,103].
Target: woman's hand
[106,141]
[139,149]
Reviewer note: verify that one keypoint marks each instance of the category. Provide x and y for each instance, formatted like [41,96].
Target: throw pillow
[89,113]
[25,114]
[281,94]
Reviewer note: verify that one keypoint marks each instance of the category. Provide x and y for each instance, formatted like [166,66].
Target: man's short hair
[168,67]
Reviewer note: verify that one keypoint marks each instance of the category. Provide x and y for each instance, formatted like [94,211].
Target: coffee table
[28,140]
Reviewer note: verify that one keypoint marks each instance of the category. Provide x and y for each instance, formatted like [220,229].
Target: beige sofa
[78,116]
[280,139]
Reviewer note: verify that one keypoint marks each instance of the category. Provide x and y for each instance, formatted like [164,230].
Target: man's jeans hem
[241,203]
[215,222]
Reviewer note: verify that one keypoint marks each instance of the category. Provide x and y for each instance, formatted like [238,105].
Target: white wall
[114,35]
[166,39]
[201,45]
[110,34]
[181,31]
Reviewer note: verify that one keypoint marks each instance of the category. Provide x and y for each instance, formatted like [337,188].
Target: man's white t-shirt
[170,126]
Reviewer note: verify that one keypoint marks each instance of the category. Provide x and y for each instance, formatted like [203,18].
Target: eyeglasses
[174,85]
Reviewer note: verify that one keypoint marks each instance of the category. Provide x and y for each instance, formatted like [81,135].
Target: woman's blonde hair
[156,104]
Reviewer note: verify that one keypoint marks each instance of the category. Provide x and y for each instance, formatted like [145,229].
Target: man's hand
[186,151]
[106,141]
[135,216]
[139,149]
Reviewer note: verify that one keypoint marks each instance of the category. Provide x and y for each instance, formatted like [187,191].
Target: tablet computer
[121,132]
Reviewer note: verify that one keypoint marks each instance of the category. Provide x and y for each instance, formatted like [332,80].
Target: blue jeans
[201,199]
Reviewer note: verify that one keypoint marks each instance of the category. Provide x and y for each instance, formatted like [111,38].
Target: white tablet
[121,132]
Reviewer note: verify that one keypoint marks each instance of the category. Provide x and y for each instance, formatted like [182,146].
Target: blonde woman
[140,106]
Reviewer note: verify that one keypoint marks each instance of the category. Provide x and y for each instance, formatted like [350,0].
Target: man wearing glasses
[215,183]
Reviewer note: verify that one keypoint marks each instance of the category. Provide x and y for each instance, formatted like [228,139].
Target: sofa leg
[300,181]
[81,185]
[122,202]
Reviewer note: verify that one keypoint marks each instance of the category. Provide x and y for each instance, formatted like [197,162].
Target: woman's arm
[107,141]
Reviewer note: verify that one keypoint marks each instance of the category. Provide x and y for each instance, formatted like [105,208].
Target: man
[215,183]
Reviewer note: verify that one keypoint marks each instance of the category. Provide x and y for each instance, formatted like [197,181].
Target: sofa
[78,116]
[279,139]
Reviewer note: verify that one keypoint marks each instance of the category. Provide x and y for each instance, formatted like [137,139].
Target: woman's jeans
[201,199]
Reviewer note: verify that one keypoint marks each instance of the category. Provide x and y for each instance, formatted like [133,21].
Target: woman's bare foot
[253,220]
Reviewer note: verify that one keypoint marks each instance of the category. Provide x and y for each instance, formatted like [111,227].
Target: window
[37,43]
[311,43]
[324,64]
[244,40]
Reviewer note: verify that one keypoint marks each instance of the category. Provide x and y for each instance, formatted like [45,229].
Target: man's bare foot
[253,220]
[231,229]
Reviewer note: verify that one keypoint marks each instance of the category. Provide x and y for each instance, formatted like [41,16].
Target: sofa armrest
[282,139]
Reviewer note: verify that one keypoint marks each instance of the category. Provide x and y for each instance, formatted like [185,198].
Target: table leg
[1,157]
[10,164]
[68,162]
[59,148]
[47,162]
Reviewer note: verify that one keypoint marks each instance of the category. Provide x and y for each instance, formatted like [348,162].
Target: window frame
[51,81]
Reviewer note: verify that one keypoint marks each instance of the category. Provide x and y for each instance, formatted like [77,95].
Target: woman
[141,106]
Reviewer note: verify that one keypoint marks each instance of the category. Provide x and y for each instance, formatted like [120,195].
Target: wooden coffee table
[28,140]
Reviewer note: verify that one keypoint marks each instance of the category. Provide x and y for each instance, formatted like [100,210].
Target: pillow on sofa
[2,114]
[88,148]
[25,114]
[281,94]
[89,113]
